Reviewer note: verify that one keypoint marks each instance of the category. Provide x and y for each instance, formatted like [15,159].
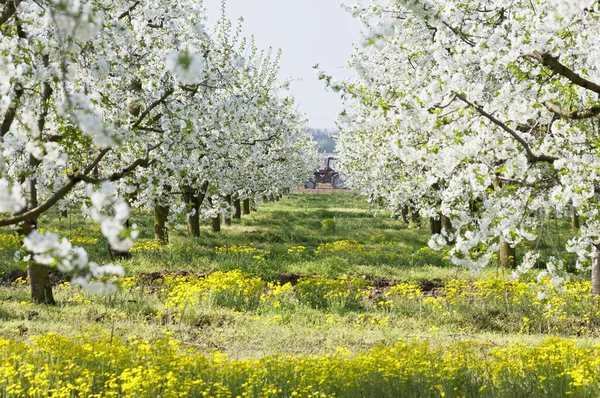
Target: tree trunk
[227,216]
[508,256]
[405,214]
[596,274]
[436,225]
[161,213]
[415,217]
[446,224]
[447,228]
[575,222]
[238,209]
[118,254]
[194,223]
[193,219]
[216,224]
[37,274]
[39,280]
[194,201]
[246,209]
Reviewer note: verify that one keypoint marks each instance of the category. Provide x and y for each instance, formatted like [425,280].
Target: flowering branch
[11,112]
[531,157]
[73,180]
[152,106]
[10,8]
[556,66]
[588,113]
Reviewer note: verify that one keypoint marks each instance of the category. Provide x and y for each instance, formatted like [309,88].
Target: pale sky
[308,32]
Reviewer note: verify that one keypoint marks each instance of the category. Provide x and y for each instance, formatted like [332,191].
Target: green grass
[365,290]
[294,221]
[354,240]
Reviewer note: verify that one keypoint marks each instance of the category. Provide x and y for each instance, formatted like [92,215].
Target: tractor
[326,175]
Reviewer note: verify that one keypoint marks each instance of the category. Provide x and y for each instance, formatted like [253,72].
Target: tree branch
[96,161]
[556,66]
[128,12]
[45,94]
[462,35]
[587,113]
[41,209]
[253,142]
[10,8]
[11,112]
[531,157]
[152,106]
[118,175]
[73,180]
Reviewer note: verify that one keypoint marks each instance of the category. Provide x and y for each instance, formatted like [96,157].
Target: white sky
[308,32]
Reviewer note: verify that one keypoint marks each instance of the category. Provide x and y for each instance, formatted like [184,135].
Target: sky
[308,32]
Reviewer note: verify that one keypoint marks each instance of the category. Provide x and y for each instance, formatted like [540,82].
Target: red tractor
[326,175]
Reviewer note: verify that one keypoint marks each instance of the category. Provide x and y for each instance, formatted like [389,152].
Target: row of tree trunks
[409,215]
[439,224]
[194,201]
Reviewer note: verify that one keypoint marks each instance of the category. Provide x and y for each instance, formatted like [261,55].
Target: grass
[295,221]
[359,281]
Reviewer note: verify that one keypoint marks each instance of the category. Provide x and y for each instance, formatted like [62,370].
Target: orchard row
[108,105]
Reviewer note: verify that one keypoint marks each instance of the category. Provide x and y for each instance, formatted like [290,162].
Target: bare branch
[96,161]
[531,157]
[462,35]
[153,129]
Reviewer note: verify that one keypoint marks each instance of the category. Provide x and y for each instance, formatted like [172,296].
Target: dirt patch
[427,285]
[290,278]
[154,281]
[11,276]
[8,278]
